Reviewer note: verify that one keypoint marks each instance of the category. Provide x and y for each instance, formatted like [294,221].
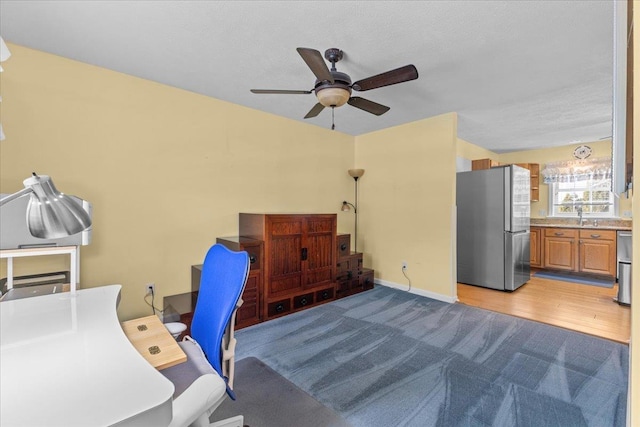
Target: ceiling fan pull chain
[333,125]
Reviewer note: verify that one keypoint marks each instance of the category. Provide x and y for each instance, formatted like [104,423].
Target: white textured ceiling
[520,74]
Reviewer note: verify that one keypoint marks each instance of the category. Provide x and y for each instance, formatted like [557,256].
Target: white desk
[65,361]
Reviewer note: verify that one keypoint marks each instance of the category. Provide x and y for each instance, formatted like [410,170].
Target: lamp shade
[333,96]
[356,173]
[51,214]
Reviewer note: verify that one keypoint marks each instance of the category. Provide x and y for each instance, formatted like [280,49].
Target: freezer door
[517,266]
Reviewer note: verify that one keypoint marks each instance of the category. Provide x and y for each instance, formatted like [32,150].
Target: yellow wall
[407,197]
[167,170]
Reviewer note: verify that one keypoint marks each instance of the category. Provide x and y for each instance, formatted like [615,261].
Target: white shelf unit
[72,251]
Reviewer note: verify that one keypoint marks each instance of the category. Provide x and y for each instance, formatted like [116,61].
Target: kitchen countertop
[603,224]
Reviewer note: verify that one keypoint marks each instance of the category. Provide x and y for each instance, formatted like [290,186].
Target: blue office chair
[201,382]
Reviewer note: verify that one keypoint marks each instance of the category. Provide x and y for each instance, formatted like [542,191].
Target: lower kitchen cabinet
[560,249]
[598,252]
[536,247]
[582,250]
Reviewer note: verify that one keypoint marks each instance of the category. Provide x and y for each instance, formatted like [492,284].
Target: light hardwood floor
[582,308]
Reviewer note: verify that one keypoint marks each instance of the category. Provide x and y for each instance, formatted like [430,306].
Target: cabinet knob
[252,259]
[279,308]
[325,294]
[343,247]
[303,302]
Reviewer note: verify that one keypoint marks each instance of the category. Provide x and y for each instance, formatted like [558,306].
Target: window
[593,196]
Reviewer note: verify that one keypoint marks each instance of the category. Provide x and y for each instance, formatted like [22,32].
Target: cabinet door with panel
[560,249]
[299,258]
[320,242]
[598,252]
[536,248]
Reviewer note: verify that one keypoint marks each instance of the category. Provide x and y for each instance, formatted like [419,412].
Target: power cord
[151,304]
[404,271]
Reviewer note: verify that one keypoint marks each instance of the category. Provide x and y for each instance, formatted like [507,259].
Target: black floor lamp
[355,174]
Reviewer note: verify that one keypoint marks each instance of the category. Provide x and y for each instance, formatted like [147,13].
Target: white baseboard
[421,292]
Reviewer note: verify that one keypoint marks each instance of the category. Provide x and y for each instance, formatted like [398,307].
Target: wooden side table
[154,342]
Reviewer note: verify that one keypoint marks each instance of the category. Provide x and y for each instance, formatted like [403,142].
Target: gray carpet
[389,358]
[266,399]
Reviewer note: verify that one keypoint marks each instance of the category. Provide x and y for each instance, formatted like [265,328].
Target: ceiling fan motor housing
[334,94]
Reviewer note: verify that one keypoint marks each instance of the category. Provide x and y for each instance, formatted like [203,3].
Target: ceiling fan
[333,88]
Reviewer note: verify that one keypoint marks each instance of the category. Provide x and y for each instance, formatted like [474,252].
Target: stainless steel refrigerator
[493,210]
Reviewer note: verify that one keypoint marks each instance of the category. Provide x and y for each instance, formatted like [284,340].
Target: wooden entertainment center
[297,261]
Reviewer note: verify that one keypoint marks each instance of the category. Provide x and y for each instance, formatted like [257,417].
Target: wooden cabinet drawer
[598,234]
[349,267]
[344,245]
[561,232]
[279,307]
[303,300]
[366,279]
[324,295]
[252,246]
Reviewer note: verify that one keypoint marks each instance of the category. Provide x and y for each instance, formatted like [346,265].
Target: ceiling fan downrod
[333,55]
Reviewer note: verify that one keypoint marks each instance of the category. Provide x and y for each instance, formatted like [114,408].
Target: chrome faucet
[579,209]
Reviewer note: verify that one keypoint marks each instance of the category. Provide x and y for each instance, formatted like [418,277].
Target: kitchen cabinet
[598,252]
[579,250]
[480,164]
[299,268]
[536,248]
[560,249]
[534,175]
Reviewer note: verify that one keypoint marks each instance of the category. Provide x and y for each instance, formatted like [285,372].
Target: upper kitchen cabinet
[534,173]
[483,164]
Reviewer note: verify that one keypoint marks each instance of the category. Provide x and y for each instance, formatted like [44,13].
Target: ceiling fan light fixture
[333,96]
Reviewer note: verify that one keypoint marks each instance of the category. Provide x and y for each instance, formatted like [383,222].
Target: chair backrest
[224,274]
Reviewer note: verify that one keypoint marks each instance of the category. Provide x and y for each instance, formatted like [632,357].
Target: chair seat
[184,374]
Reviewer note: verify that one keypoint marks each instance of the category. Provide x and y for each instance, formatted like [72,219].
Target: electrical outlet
[405,265]
[150,289]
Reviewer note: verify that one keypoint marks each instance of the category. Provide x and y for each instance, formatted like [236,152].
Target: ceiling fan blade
[368,106]
[286,92]
[399,75]
[314,111]
[315,61]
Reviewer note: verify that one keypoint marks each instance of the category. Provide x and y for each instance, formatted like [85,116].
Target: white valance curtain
[577,170]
